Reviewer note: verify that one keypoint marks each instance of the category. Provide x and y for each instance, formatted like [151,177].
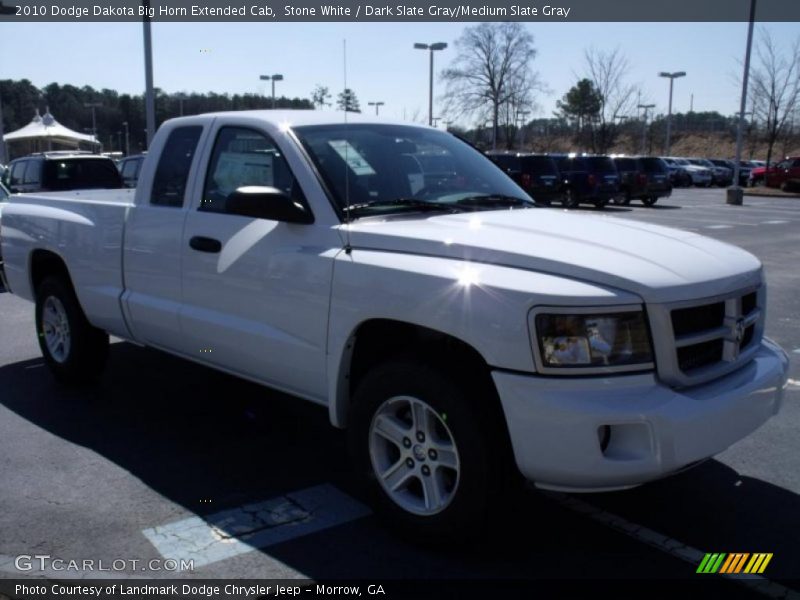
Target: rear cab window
[172,172]
[626,164]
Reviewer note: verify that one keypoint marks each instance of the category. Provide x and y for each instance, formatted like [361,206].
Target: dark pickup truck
[587,179]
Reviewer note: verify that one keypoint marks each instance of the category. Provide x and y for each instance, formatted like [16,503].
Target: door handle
[205,244]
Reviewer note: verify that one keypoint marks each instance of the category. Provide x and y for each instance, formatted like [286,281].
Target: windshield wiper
[414,203]
[495,200]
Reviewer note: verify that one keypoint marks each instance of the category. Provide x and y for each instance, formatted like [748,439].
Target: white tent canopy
[46,128]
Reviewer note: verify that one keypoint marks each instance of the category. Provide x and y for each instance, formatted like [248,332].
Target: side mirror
[264,202]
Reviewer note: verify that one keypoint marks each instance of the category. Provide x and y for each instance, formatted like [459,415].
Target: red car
[784,175]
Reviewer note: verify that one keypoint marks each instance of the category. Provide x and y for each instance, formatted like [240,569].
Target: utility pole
[93,106]
[127,139]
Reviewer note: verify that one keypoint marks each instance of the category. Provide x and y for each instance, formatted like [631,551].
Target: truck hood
[657,263]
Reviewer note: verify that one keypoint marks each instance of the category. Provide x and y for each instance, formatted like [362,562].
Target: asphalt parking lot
[161,445]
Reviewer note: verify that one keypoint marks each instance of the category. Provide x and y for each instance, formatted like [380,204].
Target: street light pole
[377,105]
[646,107]
[273,78]
[432,48]
[149,94]
[672,77]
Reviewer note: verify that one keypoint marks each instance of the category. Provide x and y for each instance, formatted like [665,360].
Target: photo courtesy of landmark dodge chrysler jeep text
[395,275]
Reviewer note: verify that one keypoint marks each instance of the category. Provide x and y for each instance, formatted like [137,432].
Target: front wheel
[423,448]
[649,200]
[73,349]
[570,200]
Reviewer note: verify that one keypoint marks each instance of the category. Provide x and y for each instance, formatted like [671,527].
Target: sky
[381,62]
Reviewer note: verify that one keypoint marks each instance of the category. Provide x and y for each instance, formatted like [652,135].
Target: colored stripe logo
[735,563]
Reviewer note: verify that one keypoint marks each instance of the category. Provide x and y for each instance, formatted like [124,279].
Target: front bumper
[557,425]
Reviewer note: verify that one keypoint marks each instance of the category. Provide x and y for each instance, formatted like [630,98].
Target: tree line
[492,81]
[67,103]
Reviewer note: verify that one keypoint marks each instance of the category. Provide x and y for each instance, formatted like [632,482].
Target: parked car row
[573,179]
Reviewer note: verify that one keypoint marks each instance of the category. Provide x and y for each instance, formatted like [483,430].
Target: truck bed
[85,229]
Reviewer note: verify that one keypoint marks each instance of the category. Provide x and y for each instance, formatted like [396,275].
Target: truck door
[256,291]
[152,253]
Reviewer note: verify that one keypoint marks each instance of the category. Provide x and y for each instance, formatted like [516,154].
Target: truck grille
[710,338]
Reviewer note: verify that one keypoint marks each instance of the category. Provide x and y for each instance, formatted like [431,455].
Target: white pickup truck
[392,273]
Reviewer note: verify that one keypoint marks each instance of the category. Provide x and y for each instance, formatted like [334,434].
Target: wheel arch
[366,347]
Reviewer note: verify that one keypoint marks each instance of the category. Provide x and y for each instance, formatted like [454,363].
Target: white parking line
[775,222]
[669,545]
[719,226]
[236,531]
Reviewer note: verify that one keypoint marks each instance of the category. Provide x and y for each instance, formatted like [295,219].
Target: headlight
[585,341]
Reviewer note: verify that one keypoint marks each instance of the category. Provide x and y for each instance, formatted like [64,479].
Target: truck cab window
[169,183]
[244,157]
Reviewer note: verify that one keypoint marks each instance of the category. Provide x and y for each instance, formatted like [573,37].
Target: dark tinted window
[541,165]
[626,164]
[169,183]
[571,164]
[80,173]
[653,165]
[17,171]
[244,157]
[506,162]
[130,168]
[32,172]
[601,164]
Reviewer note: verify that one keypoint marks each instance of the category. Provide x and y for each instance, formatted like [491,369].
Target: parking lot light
[273,78]
[672,77]
[432,48]
[377,106]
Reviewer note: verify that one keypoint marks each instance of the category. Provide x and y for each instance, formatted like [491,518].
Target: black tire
[570,199]
[600,204]
[479,445]
[623,200]
[649,200]
[85,354]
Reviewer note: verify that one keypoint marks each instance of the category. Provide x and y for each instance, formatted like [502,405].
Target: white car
[701,176]
[456,331]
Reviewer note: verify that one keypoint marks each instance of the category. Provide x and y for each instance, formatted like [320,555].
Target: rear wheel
[424,449]
[73,349]
[649,200]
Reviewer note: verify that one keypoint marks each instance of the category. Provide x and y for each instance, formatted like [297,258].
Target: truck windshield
[377,169]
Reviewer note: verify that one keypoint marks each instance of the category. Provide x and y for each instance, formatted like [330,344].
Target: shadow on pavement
[189,432]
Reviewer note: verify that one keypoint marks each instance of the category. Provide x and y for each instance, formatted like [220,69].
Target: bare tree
[775,82]
[492,68]
[607,71]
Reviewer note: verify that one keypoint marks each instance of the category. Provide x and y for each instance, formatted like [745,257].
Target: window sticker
[351,156]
